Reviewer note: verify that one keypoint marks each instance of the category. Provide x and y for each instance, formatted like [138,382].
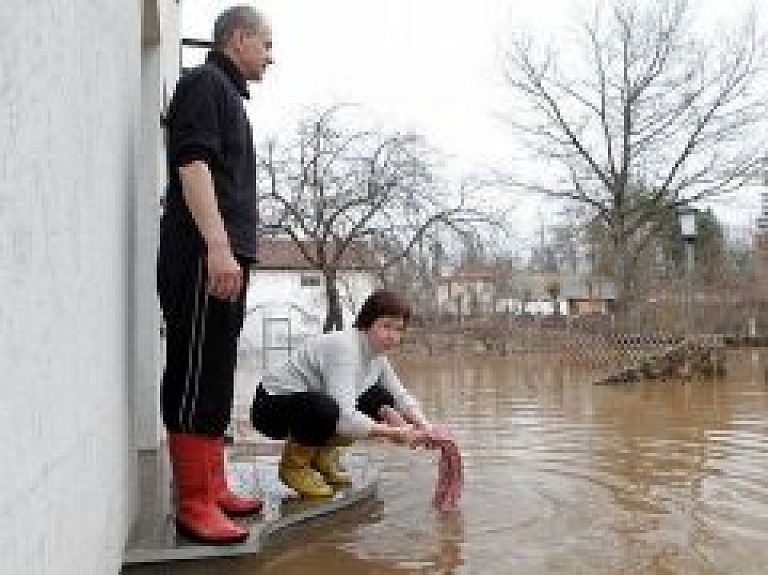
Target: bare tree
[642,114]
[337,187]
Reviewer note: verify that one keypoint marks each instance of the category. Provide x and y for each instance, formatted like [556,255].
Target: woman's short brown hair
[382,303]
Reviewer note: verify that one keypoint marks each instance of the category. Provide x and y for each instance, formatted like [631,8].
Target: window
[310,281]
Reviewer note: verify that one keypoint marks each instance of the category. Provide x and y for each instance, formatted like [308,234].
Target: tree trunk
[623,286]
[333,319]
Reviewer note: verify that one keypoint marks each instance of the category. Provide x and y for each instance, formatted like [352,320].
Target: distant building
[587,295]
[468,290]
[484,289]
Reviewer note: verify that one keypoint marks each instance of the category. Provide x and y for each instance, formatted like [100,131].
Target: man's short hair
[241,17]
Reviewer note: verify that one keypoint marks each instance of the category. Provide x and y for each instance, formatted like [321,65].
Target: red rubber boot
[230,503]
[198,515]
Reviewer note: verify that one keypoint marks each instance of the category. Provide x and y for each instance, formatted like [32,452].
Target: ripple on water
[563,477]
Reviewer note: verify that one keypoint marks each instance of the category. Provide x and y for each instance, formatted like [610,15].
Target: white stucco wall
[159,74]
[70,94]
[280,294]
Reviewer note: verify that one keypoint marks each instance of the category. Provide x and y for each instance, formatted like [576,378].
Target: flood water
[562,476]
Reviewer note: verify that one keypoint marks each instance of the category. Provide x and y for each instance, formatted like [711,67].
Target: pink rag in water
[450,475]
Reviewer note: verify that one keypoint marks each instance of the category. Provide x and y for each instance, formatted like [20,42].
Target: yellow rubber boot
[295,471]
[326,461]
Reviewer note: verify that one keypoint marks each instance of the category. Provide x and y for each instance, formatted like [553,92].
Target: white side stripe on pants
[196,340]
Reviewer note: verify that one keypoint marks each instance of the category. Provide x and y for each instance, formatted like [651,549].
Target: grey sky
[431,66]
[427,65]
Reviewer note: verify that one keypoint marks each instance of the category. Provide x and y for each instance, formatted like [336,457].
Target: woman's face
[385,333]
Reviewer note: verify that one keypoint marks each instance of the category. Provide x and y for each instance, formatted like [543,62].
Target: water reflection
[567,477]
[562,477]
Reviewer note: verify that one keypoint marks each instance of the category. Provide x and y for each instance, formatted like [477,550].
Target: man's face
[254,51]
[386,333]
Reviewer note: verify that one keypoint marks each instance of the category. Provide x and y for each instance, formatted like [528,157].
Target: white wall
[70,86]
[159,73]
[280,294]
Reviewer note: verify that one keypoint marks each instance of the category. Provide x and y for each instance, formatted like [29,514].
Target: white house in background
[83,88]
[286,303]
[467,290]
[286,295]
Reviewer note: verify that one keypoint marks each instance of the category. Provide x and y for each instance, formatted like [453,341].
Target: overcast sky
[431,66]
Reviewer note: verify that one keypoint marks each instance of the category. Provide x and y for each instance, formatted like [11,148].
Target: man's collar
[226,65]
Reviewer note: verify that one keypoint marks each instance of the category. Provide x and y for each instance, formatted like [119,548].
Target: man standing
[207,242]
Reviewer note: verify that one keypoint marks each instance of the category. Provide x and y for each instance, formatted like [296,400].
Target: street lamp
[688,224]
[687,217]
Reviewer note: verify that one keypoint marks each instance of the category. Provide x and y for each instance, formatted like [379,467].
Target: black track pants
[201,334]
[310,417]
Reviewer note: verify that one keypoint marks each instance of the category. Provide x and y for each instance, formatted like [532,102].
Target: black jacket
[207,121]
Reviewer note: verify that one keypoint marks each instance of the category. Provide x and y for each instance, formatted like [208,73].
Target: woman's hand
[421,429]
[423,435]
[405,434]
[414,436]
[399,434]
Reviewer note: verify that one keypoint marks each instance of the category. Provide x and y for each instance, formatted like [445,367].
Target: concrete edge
[261,533]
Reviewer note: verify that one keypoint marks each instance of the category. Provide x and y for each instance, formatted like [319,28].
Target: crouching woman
[339,387]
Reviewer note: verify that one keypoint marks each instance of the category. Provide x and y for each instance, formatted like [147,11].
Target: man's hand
[225,276]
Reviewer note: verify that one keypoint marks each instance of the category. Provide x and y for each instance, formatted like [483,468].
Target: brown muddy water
[562,477]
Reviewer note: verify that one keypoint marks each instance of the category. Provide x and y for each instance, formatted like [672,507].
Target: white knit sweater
[341,364]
